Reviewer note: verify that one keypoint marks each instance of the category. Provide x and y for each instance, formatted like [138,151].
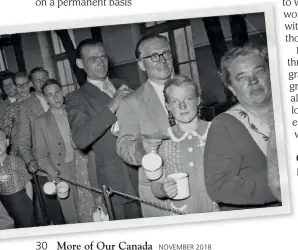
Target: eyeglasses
[94,59]
[25,84]
[167,55]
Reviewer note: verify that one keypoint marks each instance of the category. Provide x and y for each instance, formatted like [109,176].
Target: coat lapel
[53,126]
[37,107]
[95,97]
[154,108]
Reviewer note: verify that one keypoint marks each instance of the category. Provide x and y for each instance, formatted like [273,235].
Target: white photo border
[268,10]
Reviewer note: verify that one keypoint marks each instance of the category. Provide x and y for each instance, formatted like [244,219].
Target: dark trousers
[130,210]
[51,205]
[20,207]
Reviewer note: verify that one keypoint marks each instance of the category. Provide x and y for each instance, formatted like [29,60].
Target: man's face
[38,79]
[54,96]
[250,80]
[94,61]
[23,86]
[156,71]
[9,87]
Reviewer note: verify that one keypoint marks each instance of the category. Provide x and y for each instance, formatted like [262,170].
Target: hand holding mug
[170,187]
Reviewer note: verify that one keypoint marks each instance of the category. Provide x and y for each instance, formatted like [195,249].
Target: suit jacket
[90,121]
[140,113]
[50,155]
[50,152]
[235,168]
[3,107]
[31,108]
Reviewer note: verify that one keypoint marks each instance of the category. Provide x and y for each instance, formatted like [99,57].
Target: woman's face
[250,80]
[182,103]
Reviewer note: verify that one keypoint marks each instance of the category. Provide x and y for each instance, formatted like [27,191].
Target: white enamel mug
[152,164]
[50,188]
[62,190]
[182,185]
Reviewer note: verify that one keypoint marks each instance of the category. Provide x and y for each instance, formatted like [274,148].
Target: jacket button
[59,143]
[59,154]
[59,164]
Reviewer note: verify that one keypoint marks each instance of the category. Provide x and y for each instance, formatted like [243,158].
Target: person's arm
[25,177]
[42,149]
[86,129]
[129,143]
[25,136]
[222,162]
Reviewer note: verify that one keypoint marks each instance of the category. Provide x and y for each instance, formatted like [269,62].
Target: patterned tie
[171,119]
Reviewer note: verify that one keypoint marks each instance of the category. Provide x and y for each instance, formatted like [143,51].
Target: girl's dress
[184,152]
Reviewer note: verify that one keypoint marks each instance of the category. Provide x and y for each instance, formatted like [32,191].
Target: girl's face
[182,103]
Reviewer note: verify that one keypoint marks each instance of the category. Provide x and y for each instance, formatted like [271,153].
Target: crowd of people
[98,135]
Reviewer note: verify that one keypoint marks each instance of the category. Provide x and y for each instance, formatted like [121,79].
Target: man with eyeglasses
[92,110]
[10,90]
[143,116]
[12,115]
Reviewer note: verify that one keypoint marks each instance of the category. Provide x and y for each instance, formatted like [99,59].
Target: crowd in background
[99,134]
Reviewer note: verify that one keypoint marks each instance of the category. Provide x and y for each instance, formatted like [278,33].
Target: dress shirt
[159,91]
[105,86]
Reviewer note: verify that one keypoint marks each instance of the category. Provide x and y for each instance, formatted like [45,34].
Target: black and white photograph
[150,122]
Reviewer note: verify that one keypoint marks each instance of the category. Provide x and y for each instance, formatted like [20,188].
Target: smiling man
[143,113]
[92,112]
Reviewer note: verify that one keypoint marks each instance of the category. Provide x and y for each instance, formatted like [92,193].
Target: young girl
[16,191]
[184,151]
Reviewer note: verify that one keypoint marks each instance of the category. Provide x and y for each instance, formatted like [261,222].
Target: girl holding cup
[182,154]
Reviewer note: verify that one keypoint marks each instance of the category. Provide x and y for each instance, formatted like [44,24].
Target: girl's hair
[178,81]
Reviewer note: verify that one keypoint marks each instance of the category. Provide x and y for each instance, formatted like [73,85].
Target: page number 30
[41,245]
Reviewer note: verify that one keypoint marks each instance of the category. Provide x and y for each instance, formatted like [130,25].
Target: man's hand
[120,93]
[151,145]
[32,167]
[170,187]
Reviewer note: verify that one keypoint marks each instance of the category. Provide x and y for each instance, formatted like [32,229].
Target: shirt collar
[95,82]
[12,99]
[156,86]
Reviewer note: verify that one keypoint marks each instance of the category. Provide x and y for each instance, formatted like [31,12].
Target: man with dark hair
[143,116]
[32,108]
[92,112]
[10,90]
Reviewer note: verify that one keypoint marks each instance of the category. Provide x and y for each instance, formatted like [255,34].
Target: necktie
[107,90]
[171,119]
